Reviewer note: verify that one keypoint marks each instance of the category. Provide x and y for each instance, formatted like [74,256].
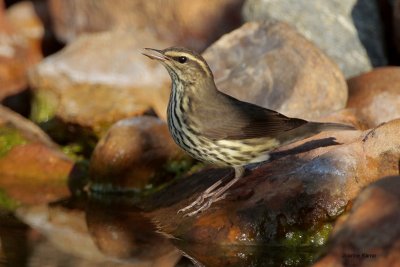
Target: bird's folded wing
[232,119]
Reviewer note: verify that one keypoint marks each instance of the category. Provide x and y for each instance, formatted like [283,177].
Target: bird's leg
[213,194]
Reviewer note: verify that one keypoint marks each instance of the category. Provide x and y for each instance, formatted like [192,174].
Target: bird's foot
[203,196]
[213,194]
[206,205]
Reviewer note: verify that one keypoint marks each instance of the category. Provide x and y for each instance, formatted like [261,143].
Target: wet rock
[97,80]
[21,33]
[350,32]
[134,153]
[376,95]
[271,65]
[104,234]
[32,168]
[193,24]
[290,200]
[370,234]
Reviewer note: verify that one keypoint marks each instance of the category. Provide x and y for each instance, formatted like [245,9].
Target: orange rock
[32,168]
[375,96]
[133,153]
[21,33]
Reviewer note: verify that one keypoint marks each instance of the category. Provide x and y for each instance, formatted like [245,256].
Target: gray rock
[271,65]
[348,31]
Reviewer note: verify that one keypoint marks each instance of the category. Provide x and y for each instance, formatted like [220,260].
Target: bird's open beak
[154,54]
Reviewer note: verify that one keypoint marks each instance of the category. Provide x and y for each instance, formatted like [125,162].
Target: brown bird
[216,128]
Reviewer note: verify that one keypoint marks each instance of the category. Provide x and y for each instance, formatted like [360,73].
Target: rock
[193,24]
[376,95]
[290,200]
[32,168]
[370,234]
[271,65]
[96,81]
[134,153]
[350,32]
[21,33]
[103,235]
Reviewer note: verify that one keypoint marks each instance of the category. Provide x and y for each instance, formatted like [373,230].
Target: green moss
[44,106]
[296,238]
[73,150]
[319,237]
[6,202]
[9,138]
[178,167]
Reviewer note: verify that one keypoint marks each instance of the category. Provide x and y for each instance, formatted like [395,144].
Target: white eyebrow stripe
[202,64]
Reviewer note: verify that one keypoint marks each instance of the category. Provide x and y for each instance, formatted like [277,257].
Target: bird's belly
[223,152]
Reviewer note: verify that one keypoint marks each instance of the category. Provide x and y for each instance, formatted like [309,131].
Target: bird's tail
[312,128]
[330,126]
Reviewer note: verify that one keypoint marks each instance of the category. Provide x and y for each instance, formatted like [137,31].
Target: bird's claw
[213,194]
[206,204]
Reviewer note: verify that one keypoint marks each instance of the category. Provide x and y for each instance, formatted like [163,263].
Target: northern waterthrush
[216,128]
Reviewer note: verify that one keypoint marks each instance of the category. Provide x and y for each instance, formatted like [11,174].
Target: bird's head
[182,64]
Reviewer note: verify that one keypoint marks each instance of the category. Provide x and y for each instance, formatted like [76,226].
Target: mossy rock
[9,138]
[308,238]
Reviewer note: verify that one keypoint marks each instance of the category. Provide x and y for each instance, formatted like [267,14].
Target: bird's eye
[181,59]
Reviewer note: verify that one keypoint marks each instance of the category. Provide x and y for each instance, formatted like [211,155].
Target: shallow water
[111,231]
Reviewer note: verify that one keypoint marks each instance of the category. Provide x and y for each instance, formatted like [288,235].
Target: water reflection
[213,256]
[14,249]
[120,231]
[108,231]
[112,231]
